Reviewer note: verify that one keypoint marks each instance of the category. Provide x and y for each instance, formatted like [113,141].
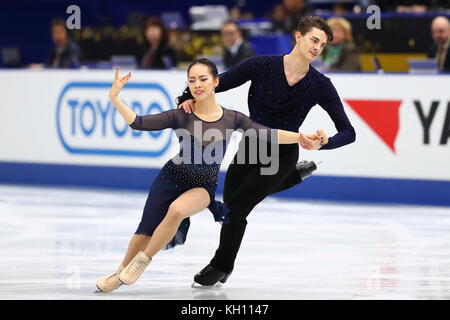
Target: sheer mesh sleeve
[255,129]
[153,122]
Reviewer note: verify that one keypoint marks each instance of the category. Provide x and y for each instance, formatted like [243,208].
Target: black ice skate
[209,276]
[305,168]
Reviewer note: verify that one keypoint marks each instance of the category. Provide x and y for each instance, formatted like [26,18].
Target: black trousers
[244,188]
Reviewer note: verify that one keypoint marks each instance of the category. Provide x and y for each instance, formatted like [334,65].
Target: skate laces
[206,269]
[137,265]
[112,275]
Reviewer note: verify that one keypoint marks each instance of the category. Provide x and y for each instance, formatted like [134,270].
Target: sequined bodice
[202,143]
[196,164]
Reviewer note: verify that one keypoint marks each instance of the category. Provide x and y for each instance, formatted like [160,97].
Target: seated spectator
[159,54]
[66,54]
[341,54]
[236,48]
[440,32]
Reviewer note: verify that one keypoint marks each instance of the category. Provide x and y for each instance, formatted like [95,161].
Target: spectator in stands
[236,48]
[66,54]
[159,54]
[440,32]
[286,17]
[341,54]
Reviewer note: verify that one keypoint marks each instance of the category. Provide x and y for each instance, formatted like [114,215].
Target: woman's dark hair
[307,23]
[186,95]
[155,22]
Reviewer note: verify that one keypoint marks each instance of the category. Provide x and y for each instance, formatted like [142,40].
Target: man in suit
[236,48]
[66,54]
[440,32]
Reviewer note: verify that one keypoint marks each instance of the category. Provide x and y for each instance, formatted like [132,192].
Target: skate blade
[195,285]
[100,291]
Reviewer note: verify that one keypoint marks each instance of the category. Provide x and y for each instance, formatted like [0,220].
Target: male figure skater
[283,90]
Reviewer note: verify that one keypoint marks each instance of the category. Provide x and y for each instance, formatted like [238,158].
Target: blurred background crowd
[169,34]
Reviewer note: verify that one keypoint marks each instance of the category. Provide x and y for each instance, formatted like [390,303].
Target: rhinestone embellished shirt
[276,104]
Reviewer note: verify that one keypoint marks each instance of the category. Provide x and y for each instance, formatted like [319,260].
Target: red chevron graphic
[382,116]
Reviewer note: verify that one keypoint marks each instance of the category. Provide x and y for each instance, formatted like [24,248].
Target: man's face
[59,36]
[230,34]
[311,44]
[440,31]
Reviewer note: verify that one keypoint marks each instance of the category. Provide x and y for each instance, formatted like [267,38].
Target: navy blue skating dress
[202,149]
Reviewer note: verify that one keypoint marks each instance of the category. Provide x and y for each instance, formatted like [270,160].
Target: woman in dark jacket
[159,55]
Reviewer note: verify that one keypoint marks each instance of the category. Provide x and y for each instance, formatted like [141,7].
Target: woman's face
[153,34]
[338,34]
[201,82]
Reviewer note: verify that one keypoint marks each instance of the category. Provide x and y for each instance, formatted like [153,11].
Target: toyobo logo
[88,123]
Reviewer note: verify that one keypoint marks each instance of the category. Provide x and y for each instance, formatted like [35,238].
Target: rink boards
[58,128]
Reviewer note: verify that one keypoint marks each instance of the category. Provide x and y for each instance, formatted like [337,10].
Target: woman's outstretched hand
[313,141]
[188,106]
[118,83]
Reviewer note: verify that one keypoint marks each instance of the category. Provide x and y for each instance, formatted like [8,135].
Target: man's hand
[313,141]
[188,106]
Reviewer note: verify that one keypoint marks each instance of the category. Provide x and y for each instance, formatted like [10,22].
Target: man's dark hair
[308,22]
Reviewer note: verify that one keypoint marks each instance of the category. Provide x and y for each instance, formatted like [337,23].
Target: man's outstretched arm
[329,100]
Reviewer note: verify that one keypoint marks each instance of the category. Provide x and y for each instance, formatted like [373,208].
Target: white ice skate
[135,268]
[110,282]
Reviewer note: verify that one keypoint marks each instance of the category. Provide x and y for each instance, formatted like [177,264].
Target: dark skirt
[172,181]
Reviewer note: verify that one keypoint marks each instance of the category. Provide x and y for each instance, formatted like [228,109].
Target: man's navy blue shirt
[276,104]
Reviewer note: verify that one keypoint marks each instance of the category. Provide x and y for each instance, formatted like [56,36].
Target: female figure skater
[183,189]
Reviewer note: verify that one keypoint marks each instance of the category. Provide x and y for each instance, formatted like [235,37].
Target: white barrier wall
[402,124]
